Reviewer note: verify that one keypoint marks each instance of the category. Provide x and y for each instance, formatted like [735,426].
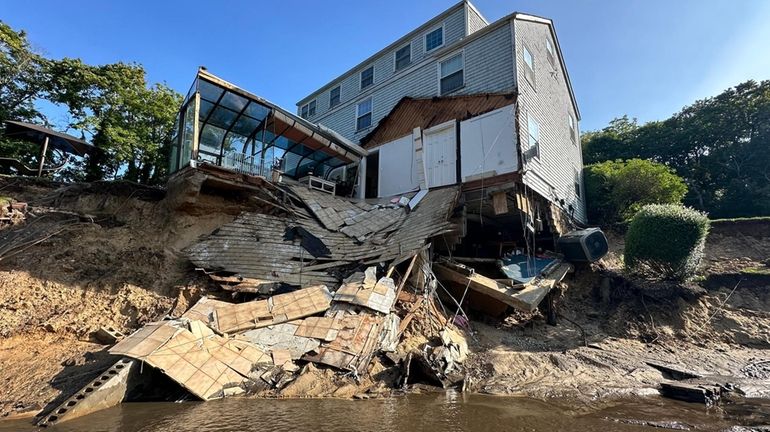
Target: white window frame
[337,87]
[530,77]
[551,52]
[304,110]
[425,38]
[531,118]
[395,58]
[438,70]
[358,114]
[360,77]
[573,132]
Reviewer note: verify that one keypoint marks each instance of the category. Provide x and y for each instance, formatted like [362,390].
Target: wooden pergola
[47,139]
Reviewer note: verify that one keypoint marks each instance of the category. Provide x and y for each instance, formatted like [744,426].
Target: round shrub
[666,241]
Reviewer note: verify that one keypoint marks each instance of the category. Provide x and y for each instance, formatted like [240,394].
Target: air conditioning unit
[586,245]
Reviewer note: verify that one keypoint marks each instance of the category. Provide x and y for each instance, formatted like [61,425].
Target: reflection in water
[443,412]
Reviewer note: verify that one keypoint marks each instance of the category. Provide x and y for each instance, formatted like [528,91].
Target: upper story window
[572,129]
[367,77]
[533,138]
[434,39]
[311,108]
[529,66]
[550,52]
[577,182]
[403,57]
[364,114]
[334,97]
[451,74]
[308,110]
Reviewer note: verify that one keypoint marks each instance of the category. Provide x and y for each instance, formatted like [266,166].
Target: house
[502,86]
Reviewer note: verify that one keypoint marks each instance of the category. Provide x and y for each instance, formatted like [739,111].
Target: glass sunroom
[224,125]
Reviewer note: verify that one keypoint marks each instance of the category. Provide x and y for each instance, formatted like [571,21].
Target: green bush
[616,190]
[666,241]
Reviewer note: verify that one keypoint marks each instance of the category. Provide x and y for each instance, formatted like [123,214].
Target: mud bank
[115,261]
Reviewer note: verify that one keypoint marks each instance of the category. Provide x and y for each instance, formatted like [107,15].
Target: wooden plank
[500,202]
[481,284]
[533,293]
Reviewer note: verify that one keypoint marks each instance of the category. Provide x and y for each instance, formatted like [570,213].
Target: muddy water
[432,412]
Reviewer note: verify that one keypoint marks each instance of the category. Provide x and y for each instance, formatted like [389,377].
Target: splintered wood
[277,309]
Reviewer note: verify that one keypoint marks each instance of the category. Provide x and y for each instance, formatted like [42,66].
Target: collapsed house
[312,275]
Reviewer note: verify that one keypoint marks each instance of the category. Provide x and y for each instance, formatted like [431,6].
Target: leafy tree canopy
[719,145]
[128,120]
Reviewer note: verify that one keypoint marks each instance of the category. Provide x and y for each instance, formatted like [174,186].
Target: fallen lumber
[524,297]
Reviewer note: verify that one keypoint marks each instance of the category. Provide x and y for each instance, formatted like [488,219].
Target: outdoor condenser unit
[586,245]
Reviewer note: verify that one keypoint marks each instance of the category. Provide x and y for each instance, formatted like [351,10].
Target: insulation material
[282,336]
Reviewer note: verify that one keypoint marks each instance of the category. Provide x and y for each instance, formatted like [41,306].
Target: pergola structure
[47,139]
[227,126]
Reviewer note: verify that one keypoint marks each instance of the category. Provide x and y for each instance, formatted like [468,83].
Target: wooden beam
[523,297]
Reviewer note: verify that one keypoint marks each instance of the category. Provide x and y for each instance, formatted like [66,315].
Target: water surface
[430,412]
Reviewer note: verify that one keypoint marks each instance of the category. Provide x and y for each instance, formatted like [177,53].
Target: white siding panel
[488,144]
[397,172]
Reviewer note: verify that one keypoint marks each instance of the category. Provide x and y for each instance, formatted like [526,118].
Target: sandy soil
[121,267]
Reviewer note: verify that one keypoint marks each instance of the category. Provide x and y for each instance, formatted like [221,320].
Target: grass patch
[758,270]
[746,219]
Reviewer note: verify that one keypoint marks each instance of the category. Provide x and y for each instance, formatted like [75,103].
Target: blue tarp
[516,267]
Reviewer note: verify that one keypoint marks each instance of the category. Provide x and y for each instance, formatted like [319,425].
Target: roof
[309,134]
[37,134]
[410,113]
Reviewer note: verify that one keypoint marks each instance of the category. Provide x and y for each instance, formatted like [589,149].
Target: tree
[616,190]
[719,145]
[129,121]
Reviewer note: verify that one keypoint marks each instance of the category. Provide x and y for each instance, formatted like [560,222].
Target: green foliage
[616,190]
[128,120]
[719,145]
[666,241]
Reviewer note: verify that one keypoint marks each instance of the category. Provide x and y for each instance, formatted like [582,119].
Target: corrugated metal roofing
[410,113]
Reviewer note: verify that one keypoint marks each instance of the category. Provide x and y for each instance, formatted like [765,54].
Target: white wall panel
[398,173]
[488,145]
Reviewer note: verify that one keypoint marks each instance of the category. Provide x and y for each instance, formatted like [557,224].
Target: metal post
[42,157]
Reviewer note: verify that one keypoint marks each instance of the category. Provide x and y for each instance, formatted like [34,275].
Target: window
[550,52]
[572,129]
[367,77]
[308,110]
[577,182]
[364,114]
[434,39]
[533,141]
[311,108]
[334,97]
[451,74]
[529,66]
[403,57]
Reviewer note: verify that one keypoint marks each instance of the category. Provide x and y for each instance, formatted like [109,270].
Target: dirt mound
[88,256]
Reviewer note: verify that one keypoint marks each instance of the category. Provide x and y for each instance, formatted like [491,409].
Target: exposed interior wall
[488,144]
[548,101]
[397,168]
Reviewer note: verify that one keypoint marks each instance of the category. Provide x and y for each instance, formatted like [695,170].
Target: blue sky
[645,58]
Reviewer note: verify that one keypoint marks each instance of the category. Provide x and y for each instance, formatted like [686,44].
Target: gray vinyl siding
[384,63]
[550,103]
[475,21]
[488,68]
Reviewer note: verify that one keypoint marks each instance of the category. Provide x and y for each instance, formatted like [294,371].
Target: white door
[441,154]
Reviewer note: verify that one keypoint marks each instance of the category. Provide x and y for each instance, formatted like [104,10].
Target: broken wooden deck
[525,297]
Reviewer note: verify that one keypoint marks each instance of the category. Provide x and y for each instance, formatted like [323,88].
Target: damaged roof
[256,246]
[410,113]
